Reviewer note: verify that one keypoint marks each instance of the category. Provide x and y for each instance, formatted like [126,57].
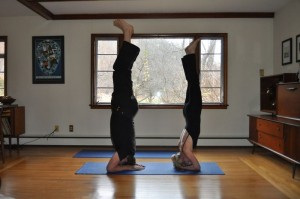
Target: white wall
[250,43]
[286,25]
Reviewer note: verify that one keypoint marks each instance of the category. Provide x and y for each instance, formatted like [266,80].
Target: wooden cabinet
[279,131]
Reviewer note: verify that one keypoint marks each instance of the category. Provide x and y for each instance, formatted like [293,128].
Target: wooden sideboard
[279,132]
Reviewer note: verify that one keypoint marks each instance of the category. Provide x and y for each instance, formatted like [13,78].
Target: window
[158,77]
[3,65]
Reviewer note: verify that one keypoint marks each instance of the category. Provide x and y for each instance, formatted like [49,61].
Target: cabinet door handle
[291,88]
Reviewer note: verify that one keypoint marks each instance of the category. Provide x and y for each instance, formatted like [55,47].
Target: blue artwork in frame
[48,60]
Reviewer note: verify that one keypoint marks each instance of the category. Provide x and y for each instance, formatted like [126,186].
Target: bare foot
[138,167]
[119,168]
[115,165]
[191,48]
[126,28]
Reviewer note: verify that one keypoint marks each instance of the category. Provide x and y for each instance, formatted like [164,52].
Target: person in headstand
[185,158]
[124,105]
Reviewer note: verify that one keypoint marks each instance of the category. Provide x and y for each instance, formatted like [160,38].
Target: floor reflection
[123,185]
[199,186]
[157,186]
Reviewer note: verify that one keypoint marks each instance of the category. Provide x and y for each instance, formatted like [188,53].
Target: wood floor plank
[49,173]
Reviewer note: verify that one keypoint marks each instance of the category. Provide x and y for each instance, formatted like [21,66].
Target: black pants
[193,101]
[124,105]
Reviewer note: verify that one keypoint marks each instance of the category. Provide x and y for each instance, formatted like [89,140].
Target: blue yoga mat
[107,154]
[152,168]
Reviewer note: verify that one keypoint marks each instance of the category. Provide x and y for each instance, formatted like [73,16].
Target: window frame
[4,39]
[119,37]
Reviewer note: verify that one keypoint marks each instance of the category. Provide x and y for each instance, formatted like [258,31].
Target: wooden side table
[12,123]
[1,139]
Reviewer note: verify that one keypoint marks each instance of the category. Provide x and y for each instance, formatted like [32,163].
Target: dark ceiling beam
[39,9]
[161,15]
[60,0]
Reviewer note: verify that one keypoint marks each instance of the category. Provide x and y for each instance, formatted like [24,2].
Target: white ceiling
[9,8]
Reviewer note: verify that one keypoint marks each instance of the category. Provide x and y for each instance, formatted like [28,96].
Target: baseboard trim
[141,141]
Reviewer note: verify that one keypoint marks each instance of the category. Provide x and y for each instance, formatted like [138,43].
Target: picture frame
[298,48]
[287,51]
[48,60]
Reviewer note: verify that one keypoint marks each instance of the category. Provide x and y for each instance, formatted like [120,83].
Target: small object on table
[7,100]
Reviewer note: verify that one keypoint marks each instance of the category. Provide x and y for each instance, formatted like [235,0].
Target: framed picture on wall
[287,51]
[48,60]
[298,48]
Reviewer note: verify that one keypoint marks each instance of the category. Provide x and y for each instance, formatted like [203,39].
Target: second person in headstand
[185,158]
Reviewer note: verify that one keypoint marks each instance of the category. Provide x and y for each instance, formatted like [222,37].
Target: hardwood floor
[48,173]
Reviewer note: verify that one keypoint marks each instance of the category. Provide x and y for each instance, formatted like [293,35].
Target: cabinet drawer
[271,128]
[288,99]
[271,142]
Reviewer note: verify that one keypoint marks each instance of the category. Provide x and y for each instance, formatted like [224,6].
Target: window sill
[205,106]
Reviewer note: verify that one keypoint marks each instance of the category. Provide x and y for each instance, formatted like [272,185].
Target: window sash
[219,90]
[3,65]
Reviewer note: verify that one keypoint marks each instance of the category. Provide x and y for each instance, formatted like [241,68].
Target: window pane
[107,50]
[2,65]
[211,46]
[157,73]
[211,70]
[104,79]
[211,95]
[105,96]
[107,47]
[105,62]
[2,47]
[3,62]
[211,62]
[1,81]
[210,79]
